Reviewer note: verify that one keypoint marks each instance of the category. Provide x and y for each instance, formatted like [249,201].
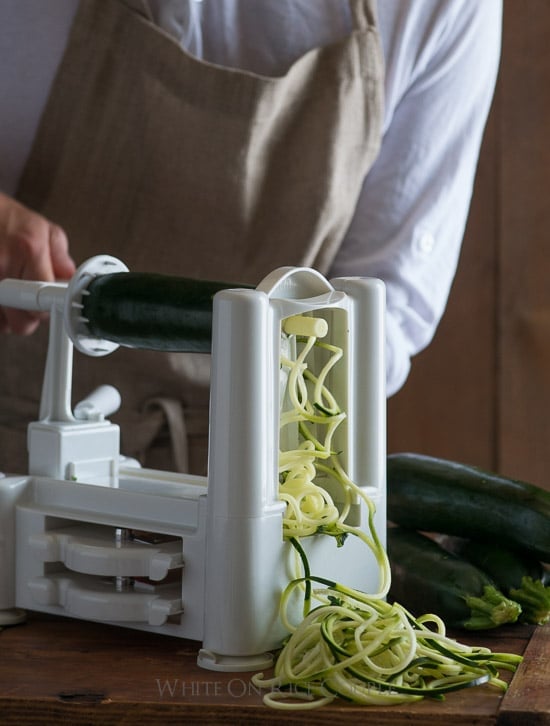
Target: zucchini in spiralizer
[427,578]
[437,495]
[158,312]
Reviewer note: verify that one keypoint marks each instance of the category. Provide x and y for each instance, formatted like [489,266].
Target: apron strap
[141,7]
[363,13]
[177,429]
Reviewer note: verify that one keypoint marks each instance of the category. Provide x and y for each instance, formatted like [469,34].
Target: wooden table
[55,670]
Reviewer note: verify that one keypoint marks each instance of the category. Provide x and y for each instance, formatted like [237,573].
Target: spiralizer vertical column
[244,522]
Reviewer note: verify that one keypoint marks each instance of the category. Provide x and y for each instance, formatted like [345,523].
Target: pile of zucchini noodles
[351,644]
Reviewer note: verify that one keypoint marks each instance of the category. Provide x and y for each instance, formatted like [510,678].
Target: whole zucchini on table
[428,579]
[517,573]
[436,495]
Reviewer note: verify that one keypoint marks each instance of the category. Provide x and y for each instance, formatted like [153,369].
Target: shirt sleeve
[411,215]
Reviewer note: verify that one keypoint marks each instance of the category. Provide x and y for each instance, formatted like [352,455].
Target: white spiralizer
[89,534]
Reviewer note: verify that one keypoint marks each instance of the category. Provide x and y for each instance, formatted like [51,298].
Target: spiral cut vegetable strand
[351,645]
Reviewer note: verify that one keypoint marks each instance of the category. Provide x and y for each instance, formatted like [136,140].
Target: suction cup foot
[13,616]
[234,663]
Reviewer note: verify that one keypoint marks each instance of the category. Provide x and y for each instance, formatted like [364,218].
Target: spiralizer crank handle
[31,295]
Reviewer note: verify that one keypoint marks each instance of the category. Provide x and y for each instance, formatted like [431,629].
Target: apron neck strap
[141,7]
[363,13]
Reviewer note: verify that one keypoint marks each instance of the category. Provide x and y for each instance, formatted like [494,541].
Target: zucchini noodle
[351,645]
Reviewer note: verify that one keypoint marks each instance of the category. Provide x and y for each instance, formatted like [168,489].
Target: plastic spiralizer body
[88,533]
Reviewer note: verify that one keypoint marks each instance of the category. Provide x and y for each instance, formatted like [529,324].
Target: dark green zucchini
[519,575]
[436,495]
[157,312]
[428,579]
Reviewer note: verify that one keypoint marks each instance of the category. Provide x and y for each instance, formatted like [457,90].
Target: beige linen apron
[184,167]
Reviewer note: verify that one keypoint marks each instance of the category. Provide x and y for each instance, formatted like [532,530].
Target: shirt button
[425,243]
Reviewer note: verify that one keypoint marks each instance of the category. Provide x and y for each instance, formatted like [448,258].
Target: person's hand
[31,248]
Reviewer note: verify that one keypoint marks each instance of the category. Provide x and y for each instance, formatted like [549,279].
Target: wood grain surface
[56,670]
